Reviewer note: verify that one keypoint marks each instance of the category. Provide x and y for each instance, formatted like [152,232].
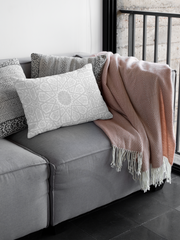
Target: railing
[131,34]
[109,44]
[131,52]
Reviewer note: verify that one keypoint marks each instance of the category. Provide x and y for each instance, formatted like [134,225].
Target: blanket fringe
[119,155]
[153,176]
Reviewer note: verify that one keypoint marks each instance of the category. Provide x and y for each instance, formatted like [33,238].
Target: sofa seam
[16,170]
[84,156]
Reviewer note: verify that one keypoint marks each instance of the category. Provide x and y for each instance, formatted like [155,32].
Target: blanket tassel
[134,161]
[153,176]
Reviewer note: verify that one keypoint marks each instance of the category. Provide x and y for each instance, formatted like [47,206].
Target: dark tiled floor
[150,216]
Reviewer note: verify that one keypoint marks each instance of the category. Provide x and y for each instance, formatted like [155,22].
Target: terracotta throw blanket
[139,95]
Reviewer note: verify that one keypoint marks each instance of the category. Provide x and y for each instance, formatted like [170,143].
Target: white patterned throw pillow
[61,100]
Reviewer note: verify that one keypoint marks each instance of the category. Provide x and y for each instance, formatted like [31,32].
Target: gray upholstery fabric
[81,176]
[24,191]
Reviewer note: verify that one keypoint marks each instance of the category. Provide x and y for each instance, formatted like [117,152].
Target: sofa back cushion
[48,65]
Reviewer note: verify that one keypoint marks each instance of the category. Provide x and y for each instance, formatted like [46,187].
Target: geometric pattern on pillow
[12,117]
[48,65]
[61,100]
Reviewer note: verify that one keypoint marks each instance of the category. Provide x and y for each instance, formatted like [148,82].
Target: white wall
[49,27]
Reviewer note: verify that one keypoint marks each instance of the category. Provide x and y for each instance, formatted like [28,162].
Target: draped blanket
[139,95]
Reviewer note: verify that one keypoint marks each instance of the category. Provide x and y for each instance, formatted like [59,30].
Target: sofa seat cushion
[81,176]
[65,144]
[24,191]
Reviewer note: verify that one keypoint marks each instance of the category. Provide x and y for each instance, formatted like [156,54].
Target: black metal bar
[178,118]
[131,50]
[176,15]
[175,82]
[168,58]
[105,25]
[176,167]
[109,25]
[144,37]
[156,40]
[131,35]
[114,25]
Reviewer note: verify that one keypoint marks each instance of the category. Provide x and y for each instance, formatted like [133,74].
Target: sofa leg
[154,189]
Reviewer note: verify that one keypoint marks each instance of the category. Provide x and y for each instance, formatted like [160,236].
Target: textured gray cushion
[24,191]
[61,100]
[81,176]
[12,117]
[47,65]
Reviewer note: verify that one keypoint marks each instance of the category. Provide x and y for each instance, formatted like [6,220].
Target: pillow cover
[12,117]
[47,65]
[61,100]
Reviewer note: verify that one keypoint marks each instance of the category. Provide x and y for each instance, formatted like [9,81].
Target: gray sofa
[56,176]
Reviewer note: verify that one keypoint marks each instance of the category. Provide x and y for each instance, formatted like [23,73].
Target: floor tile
[170,194]
[139,233]
[140,208]
[178,208]
[166,225]
[174,175]
[176,179]
[105,224]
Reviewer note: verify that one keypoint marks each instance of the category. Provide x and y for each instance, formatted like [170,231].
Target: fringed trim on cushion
[154,176]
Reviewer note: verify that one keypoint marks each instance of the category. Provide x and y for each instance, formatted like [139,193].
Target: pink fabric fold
[139,95]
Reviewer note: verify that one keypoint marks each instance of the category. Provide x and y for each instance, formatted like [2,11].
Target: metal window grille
[109,42]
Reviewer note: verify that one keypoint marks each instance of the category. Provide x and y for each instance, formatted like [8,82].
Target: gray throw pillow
[12,118]
[48,65]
